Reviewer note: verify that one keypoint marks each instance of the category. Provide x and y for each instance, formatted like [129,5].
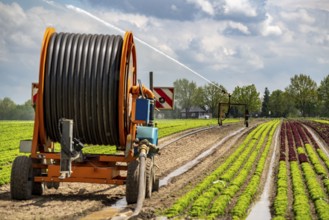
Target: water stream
[84,12]
[261,210]
[164,181]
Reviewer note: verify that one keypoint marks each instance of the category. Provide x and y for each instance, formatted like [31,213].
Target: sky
[230,42]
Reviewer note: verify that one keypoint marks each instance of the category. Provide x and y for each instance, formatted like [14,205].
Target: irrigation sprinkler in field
[227,109]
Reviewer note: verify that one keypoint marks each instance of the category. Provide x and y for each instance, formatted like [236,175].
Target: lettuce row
[183,202]
[201,204]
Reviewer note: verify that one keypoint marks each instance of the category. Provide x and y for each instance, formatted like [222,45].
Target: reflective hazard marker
[34,94]
[164,97]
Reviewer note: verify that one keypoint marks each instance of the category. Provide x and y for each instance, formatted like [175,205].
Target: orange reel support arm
[39,132]
[128,71]
[146,91]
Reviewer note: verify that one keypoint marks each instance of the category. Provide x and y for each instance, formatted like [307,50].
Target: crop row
[322,121]
[182,203]
[281,199]
[315,175]
[308,175]
[321,128]
[243,203]
[301,205]
[211,197]
[15,130]
[5,171]
[221,202]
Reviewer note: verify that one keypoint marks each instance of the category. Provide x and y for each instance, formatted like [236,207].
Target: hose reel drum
[87,78]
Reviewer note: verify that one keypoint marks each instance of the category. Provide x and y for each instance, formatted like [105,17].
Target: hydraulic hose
[142,183]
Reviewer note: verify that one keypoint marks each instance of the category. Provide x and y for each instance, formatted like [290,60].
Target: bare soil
[91,201]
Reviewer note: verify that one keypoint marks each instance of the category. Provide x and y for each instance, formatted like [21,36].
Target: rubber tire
[156,184]
[37,187]
[21,178]
[51,185]
[132,182]
[149,172]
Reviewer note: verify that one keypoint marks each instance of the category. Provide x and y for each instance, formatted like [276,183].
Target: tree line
[302,98]
[9,110]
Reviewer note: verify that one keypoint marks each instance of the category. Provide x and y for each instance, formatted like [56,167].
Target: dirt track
[76,200]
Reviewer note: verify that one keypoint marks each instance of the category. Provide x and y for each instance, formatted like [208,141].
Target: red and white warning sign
[164,97]
[35,87]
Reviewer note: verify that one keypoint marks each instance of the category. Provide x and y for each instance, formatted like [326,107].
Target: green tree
[7,108]
[10,111]
[24,112]
[208,97]
[265,103]
[323,93]
[185,94]
[247,95]
[303,90]
[281,104]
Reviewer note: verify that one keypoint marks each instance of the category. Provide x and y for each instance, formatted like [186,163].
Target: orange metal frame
[95,168]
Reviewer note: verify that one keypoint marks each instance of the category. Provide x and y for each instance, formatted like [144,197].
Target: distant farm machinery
[226,109]
[88,94]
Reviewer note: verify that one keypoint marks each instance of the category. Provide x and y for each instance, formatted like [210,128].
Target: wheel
[37,187]
[132,182]
[149,172]
[51,185]
[156,183]
[22,185]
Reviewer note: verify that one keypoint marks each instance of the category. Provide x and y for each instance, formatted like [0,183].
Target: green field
[11,132]
[322,121]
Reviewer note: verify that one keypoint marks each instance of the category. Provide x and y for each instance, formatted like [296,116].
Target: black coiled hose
[81,83]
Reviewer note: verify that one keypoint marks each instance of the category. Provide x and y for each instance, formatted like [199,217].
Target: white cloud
[3,51]
[322,60]
[299,16]
[239,26]
[228,51]
[174,8]
[293,4]
[268,28]
[17,32]
[239,7]
[205,6]
[11,15]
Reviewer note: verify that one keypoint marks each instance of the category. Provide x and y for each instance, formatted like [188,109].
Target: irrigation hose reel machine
[226,108]
[88,94]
